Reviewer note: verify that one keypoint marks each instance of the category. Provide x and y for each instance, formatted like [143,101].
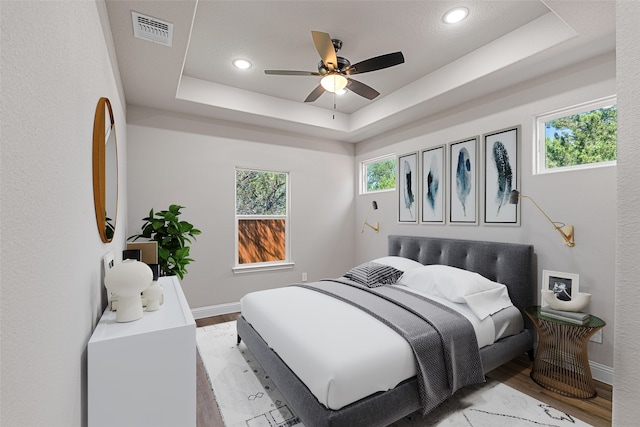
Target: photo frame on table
[501,175]
[463,181]
[434,179]
[563,285]
[408,188]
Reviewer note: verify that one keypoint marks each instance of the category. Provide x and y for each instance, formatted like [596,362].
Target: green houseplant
[173,237]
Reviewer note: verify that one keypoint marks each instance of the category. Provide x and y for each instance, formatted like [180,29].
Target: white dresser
[143,373]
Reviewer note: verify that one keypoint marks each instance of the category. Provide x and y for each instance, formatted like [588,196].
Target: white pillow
[401,263]
[483,296]
[486,303]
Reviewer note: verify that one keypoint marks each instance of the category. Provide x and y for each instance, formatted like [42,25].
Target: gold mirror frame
[105,183]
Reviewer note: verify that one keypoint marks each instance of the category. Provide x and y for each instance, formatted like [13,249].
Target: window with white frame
[578,137]
[262,218]
[378,174]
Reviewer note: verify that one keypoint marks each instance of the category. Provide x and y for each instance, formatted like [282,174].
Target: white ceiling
[501,44]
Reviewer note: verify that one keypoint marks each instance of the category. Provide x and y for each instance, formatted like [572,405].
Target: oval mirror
[105,170]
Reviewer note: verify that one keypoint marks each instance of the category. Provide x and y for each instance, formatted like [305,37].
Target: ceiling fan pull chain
[334,105]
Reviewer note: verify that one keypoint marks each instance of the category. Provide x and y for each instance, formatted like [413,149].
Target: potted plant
[173,237]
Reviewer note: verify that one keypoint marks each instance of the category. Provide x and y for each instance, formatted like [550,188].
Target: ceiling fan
[336,69]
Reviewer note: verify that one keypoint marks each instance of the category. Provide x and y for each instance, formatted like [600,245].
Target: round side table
[561,363]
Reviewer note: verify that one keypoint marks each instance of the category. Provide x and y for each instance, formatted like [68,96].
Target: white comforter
[341,353]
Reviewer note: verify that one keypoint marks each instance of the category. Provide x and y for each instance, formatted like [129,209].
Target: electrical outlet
[108,261]
[304,277]
[597,337]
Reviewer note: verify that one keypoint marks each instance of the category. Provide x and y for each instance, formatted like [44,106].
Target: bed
[372,353]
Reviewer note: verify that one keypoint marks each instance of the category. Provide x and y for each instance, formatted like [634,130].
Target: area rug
[247,397]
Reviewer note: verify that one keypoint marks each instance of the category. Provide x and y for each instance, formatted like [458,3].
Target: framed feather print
[463,182]
[501,172]
[408,188]
[433,199]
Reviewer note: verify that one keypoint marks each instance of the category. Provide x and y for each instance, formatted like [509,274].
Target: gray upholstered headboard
[508,263]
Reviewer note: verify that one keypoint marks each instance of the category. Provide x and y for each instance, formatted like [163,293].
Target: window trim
[263,266]
[363,173]
[287,263]
[540,121]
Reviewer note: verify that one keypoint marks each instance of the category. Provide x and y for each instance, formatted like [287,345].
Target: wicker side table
[561,363]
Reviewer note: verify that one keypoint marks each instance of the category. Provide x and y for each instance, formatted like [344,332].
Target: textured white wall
[55,66]
[182,160]
[626,388]
[50,263]
[585,199]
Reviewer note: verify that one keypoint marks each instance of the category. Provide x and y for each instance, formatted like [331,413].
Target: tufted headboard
[508,263]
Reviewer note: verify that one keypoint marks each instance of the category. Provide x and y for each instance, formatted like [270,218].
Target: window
[378,174]
[262,219]
[578,137]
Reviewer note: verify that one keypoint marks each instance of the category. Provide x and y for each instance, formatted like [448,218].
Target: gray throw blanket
[443,341]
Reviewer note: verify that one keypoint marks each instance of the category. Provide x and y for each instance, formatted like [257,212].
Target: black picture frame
[408,190]
[434,183]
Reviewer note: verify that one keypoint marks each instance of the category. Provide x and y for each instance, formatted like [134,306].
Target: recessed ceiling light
[455,15]
[242,64]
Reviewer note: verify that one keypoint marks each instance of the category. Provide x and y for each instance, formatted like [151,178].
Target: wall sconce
[376,228]
[565,230]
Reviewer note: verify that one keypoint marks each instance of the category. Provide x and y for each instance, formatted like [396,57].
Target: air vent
[152,29]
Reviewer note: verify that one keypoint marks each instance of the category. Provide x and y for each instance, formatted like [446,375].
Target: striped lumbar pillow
[373,274]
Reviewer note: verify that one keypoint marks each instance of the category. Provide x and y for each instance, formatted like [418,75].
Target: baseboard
[215,310]
[601,372]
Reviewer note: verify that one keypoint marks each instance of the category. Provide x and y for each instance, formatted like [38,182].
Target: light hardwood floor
[596,411]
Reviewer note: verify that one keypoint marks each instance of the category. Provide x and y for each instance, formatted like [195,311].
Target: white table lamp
[127,280]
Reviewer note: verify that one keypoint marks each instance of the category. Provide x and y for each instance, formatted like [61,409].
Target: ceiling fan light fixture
[334,82]
[455,15]
[242,64]
[334,69]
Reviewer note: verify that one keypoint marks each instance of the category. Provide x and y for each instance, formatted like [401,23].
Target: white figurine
[153,296]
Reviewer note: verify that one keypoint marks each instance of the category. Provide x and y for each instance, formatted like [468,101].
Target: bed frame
[507,263]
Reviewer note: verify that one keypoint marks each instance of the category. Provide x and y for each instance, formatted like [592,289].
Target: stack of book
[579,318]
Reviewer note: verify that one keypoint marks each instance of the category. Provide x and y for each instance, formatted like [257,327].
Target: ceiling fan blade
[362,89]
[292,73]
[325,48]
[377,63]
[315,94]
